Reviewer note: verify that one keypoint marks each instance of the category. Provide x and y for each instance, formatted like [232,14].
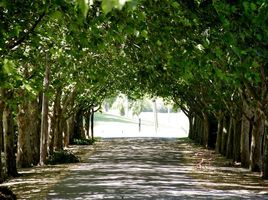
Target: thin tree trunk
[219,134]
[229,146]
[265,155]
[87,124]
[44,120]
[92,124]
[224,135]
[1,132]
[205,134]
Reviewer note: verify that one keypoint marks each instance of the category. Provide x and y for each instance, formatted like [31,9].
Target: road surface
[150,168]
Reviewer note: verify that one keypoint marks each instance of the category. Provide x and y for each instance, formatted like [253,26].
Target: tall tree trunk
[205,134]
[44,119]
[219,134]
[224,135]
[229,146]
[1,132]
[92,124]
[78,126]
[8,124]
[191,131]
[265,154]
[195,128]
[237,140]
[24,151]
[35,108]
[256,142]
[70,129]
[87,124]
[58,137]
[246,128]
[65,133]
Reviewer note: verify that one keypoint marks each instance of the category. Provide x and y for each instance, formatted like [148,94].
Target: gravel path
[146,168]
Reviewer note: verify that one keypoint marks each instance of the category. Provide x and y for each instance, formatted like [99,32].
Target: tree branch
[26,35]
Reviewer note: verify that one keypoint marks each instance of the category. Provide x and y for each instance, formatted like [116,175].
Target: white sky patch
[122,2]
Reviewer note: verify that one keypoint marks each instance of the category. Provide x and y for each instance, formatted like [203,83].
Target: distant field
[170,125]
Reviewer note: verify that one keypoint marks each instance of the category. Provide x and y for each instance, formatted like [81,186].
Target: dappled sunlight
[155,169]
[34,183]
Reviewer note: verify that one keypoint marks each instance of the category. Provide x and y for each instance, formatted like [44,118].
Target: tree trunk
[230,139]
[24,151]
[87,124]
[224,135]
[35,128]
[219,134]
[70,129]
[1,132]
[78,126]
[9,134]
[44,120]
[191,120]
[92,124]
[58,137]
[245,144]
[65,133]
[195,127]
[265,155]
[205,135]
[237,140]
[256,142]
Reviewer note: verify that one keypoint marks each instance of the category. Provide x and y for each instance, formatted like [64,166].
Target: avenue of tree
[59,60]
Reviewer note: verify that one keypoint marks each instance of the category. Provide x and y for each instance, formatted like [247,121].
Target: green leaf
[83,6]
[9,67]
[108,5]
[56,15]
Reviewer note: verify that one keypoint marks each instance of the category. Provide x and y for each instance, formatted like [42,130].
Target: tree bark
[256,142]
[224,135]
[1,132]
[92,124]
[265,155]
[237,140]
[8,124]
[58,137]
[78,126]
[246,127]
[35,108]
[191,120]
[44,120]
[24,151]
[219,134]
[70,129]
[230,135]
[205,135]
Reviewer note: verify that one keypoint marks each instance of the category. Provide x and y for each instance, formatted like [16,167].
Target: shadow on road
[152,168]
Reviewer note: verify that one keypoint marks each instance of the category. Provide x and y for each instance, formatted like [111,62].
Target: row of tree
[57,67]
[60,59]
[210,58]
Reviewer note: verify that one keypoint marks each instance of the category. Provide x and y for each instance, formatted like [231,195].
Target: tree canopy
[208,56]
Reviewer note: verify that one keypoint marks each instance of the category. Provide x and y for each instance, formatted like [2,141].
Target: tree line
[60,59]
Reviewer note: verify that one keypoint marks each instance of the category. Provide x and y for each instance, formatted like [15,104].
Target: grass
[100,117]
